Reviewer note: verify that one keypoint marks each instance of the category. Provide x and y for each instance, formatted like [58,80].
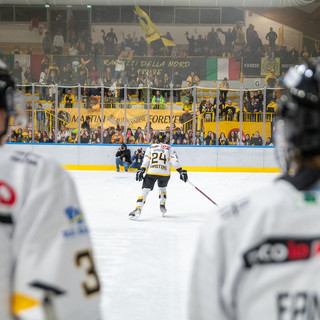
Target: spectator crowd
[113,78]
[118,135]
[233,42]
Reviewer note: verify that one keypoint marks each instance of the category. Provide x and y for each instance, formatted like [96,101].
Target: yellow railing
[44,120]
[211,116]
[115,104]
[129,104]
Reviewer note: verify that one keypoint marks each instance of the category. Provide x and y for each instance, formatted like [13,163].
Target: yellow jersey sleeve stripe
[22,302]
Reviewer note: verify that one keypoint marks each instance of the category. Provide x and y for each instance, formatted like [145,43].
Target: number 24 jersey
[158,159]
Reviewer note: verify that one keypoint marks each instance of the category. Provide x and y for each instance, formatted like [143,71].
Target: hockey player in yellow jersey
[158,159]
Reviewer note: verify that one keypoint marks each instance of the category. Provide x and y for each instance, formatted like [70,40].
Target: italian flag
[220,68]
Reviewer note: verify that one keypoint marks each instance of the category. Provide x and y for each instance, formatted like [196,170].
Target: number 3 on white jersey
[84,260]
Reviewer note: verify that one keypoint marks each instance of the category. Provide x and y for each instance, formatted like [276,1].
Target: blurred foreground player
[157,161]
[47,269]
[261,258]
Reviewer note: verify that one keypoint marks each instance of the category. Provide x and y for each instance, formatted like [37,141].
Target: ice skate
[134,215]
[163,209]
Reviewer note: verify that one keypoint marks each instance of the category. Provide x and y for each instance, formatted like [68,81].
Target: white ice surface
[144,265]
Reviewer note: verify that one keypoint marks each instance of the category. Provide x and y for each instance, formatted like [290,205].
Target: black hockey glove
[183,175]
[139,175]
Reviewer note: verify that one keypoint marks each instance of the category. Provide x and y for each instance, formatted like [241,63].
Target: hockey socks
[163,195]
[140,203]
[163,199]
[142,198]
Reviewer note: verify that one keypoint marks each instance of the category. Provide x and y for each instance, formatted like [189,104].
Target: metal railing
[130,111]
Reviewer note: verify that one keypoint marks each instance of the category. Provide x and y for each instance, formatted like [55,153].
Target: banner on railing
[247,127]
[159,119]
[160,65]
[259,67]
[251,67]
[205,68]
[270,64]
[285,64]
[220,68]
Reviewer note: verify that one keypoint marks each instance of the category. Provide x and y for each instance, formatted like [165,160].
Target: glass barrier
[136,115]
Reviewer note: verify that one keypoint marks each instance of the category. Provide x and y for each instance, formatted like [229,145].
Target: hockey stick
[201,192]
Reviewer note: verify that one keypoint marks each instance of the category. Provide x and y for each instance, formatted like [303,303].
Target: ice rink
[144,264]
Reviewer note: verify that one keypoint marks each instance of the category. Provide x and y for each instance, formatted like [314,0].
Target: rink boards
[193,158]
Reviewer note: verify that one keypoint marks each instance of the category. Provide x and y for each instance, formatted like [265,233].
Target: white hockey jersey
[260,259]
[158,159]
[47,269]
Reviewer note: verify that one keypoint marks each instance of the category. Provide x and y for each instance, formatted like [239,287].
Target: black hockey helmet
[10,100]
[6,87]
[161,137]
[298,127]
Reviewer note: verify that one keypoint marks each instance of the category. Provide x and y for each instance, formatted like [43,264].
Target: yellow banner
[247,127]
[159,119]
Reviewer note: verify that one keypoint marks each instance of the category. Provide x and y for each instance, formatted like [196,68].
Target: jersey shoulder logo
[25,157]
[7,200]
[76,223]
[7,194]
[234,209]
[281,250]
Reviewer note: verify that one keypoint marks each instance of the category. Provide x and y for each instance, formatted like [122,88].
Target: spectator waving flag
[152,34]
